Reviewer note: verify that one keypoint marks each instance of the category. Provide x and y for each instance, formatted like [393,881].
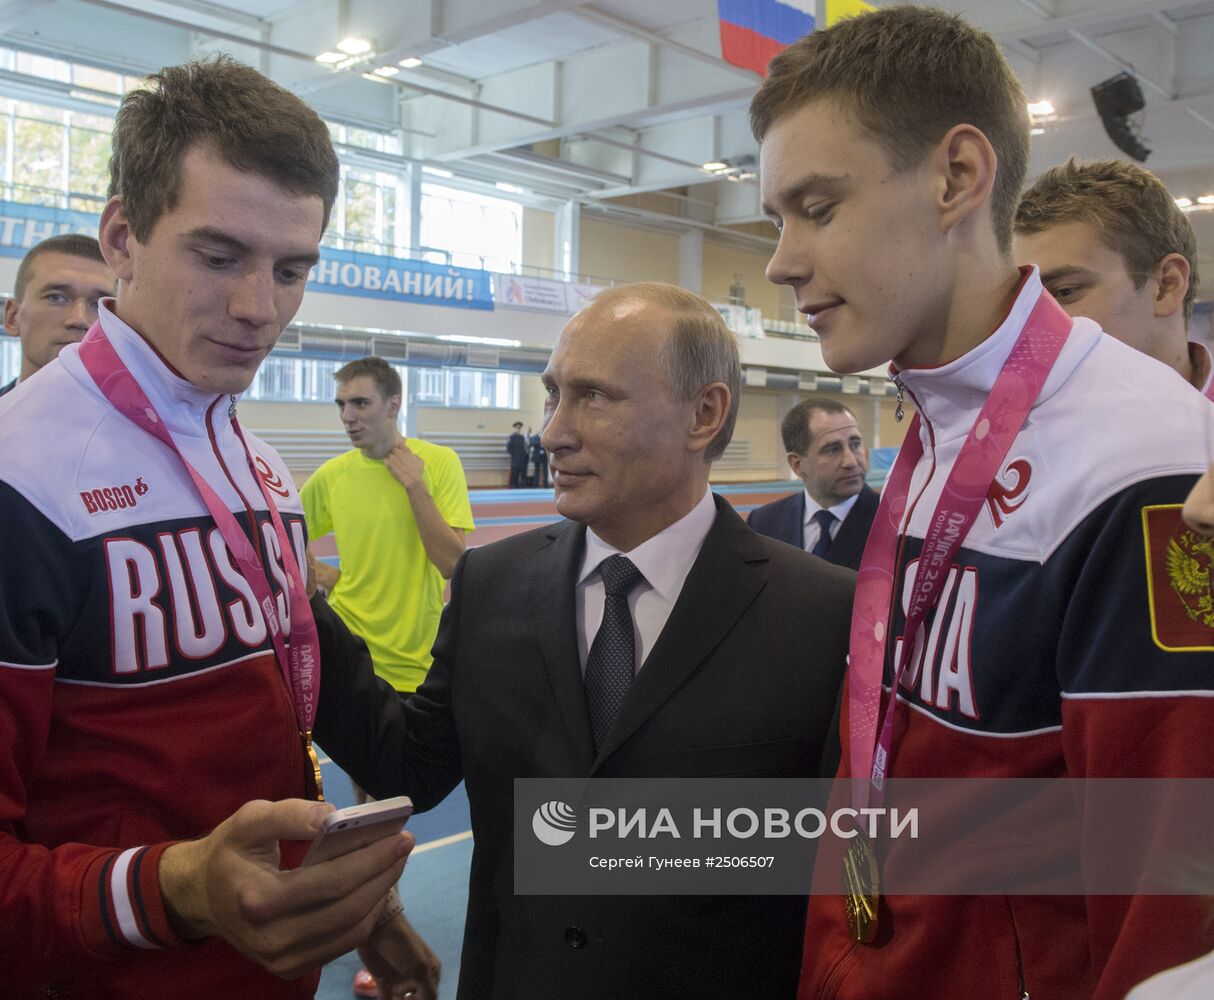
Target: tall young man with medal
[159,663]
[1013,613]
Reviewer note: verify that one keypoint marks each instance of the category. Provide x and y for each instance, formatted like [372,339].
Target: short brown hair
[699,348]
[794,428]
[909,74]
[386,377]
[1133,213]
[246,119]
[72,244]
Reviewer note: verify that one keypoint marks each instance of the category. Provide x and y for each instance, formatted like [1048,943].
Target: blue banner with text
[340,272]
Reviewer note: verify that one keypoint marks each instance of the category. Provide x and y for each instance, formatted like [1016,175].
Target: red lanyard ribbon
[990,438]
[299,662]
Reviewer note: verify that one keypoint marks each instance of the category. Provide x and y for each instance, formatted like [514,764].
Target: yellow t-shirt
[389,592]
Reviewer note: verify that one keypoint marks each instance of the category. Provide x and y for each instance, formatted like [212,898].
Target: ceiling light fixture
[354,46]
[734,168]
[386,71]
[374,79]
[1206,199]
[1037,130]
[410,63]
[1184,202]
[330,58]
[1039,108]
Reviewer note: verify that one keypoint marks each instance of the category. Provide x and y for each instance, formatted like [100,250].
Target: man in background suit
[831,517]
[539,459]
[517,449]
[715,670]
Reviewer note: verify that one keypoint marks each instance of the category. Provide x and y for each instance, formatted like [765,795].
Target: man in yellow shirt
[398,509]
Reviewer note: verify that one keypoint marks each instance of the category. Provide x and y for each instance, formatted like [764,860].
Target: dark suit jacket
[539,454]
[742,682]
[8,387]
[516,446]
[784,520]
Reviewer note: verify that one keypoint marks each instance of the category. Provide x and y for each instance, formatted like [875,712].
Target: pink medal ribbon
[299,661]
[1007,406]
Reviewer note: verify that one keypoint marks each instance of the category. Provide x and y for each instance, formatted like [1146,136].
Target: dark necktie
[824,519]
[612,658]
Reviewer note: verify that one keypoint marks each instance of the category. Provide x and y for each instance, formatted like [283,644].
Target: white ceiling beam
[654,38]
[231,15]
[638,150]
[1164,92]
[13,12]
[1037,9]
[305,87]
[1094,17]
[1197,116]
[201,29]
[1165,22]
[1025,52]
[710,104]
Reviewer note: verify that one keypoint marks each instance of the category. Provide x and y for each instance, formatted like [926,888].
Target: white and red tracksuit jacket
[140,699]
[1063,646]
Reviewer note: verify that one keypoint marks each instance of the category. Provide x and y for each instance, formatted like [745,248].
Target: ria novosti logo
[554,823]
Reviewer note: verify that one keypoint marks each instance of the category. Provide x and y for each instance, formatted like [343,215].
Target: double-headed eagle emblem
[1190,557]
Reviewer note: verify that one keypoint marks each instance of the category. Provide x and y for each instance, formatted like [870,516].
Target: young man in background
[1113,245]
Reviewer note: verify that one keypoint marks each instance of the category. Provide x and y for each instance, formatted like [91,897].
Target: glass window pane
[39,112]
[51,69]
[318,385]
[10,359]
[90,157]
[277,379]
[476,229]
[38,161]
[387,192]
[97,79]
[364,137]
[98,123]
[360,207]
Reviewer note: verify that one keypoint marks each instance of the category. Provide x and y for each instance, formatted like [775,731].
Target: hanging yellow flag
[836,10]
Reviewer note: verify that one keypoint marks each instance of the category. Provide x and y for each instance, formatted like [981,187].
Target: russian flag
[752,31]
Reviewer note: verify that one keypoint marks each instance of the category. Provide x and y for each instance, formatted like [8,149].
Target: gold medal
[310,750]
[862,884]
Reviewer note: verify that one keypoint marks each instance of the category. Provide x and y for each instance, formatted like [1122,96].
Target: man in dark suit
[832,515]
[518,450]
[539,460]
[660,637]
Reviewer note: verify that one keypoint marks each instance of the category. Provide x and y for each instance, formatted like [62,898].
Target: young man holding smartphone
[158,656]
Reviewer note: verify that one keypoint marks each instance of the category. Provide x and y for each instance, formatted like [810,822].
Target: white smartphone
[349,829]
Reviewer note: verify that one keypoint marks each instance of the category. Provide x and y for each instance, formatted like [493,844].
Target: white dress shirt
[664,560]
[1194,981]
[840,510]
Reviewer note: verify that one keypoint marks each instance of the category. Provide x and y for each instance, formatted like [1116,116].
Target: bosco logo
[113,497]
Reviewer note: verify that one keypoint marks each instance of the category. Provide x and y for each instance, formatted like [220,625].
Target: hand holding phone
[354,827]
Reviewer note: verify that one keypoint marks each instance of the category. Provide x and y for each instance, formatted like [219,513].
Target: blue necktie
[612,658]
[824,519]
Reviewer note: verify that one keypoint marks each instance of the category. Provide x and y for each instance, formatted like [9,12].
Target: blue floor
[434,887]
